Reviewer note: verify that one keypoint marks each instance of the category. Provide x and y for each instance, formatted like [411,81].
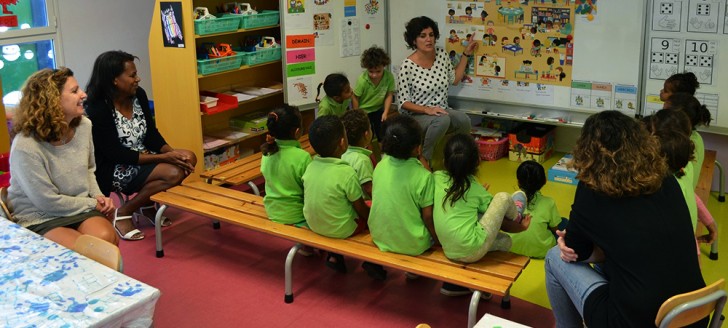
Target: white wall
[89,28]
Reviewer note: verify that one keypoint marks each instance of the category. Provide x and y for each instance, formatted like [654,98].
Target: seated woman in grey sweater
[53,189]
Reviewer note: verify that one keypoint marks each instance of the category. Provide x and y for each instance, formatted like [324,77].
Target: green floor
[501,175]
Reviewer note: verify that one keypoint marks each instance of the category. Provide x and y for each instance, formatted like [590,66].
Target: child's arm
[361,208]
[429,223]
[354,102]
[366,187]
[513,226]
[387,105]
[707,220]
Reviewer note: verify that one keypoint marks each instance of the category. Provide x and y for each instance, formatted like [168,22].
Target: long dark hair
[107,67]
[672,129]
[282,124]
[697,113]
[461,161]
[531,178]
[402,134]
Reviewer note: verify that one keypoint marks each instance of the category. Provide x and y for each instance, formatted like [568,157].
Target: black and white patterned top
[425,87]
[131,135]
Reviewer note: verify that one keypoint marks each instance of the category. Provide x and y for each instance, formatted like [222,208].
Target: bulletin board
[324,37]
[548,56]
[688,36]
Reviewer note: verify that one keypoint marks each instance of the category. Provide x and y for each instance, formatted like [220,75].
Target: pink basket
[492,150]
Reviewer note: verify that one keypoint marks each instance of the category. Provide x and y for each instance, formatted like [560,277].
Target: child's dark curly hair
[282,124]
[415,26]
[334,85]
[356,123]
[374,57]
[683,82]
[402,134]
[531,178]
[687,103]
[325,134]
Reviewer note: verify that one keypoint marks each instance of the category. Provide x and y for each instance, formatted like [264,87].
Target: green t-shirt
[458,226]
[328,106]
[359,159]
[400,190]
[686,185]
[537,239]
[699,153]
[330,186]
[371,97]
[283,185]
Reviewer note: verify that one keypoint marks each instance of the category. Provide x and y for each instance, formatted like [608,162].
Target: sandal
[166,222]
[133,234]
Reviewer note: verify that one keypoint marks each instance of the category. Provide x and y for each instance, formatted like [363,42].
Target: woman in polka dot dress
[423,83]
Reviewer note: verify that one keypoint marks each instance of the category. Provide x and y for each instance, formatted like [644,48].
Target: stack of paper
[255,91]
[241,96]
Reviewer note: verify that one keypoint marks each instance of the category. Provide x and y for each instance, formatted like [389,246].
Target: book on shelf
[255,91]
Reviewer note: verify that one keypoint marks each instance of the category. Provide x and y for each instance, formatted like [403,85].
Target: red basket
[492,150]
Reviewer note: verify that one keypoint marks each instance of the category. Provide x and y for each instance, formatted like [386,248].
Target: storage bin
[222,156]
[561,172]
[262,19]
[521,155]
[261,56]
[218,25]
[535,138]
[492,150]
[210,66]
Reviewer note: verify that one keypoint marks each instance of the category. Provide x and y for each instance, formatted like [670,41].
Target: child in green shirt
[359,134]
[374,88]
[332,195]
[283,164]
[338,95]
[545,218]
[459,201]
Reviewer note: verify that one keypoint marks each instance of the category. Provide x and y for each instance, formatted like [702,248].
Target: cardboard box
[255,122]
[520,156]
[560,173]
[534,138]
[222,156]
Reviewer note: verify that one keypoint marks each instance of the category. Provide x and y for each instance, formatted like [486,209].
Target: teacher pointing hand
[423,83]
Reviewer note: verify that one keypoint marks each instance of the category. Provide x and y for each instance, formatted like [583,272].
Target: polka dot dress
[425,87]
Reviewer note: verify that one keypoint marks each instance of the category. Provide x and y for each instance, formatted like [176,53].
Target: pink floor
[234,277]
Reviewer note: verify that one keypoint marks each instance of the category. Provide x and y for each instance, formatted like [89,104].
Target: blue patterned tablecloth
[43,284]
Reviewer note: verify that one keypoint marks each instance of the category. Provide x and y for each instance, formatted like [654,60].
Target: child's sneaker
[306,251]
[449,289]
[520,199]
[336,262]
[411,276]
[374,271]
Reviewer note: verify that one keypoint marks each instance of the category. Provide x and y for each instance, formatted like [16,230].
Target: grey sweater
[49,182]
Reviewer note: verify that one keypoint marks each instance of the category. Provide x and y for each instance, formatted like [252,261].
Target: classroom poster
[300,90]
[323,29]
[350,38]
[703,16]
[372,8]
[666,15]
[665,54]
[710,100]
[296,17]
[700,58]
[171,16]
[625,97]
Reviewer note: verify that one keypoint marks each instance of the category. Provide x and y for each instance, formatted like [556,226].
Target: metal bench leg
[254,187]
[714,247]
[158,229]
[506,300]
[721,182]
[289,273]
[473,310]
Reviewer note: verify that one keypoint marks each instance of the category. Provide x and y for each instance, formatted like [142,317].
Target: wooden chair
[5,204]
[100,251]
[684,309]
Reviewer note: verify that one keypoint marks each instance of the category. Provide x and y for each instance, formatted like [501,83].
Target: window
[28,37]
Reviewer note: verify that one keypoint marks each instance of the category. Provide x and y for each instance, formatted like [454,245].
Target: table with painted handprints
[43,284]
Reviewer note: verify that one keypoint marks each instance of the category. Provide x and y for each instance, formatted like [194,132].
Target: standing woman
[629,213]
[423,83]
[53,188]
[131,154]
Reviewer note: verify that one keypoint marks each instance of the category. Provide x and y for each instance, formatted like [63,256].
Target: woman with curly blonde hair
[53,189]
[629,214]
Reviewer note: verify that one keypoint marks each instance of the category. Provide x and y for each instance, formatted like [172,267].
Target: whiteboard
[372,30]
[688,35]
[607,49]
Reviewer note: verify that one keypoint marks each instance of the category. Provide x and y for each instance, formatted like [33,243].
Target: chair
[684,309]
[100,251]
[5,204]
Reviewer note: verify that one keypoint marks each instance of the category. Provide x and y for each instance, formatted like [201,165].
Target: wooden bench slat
[218,190]
[205,198]
[705,181]
[225,168]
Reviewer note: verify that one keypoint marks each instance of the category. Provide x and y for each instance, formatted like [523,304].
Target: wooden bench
[495,273]
[702,190]
[245,170]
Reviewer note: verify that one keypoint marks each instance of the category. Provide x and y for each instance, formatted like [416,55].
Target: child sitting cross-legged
[467,218]
[375,88]
[359,134]
[333,204]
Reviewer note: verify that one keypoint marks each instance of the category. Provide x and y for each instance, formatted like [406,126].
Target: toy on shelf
[239,8]
[201,13]
[267,42]
[220,50]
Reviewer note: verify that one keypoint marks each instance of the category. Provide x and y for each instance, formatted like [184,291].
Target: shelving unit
[177,83]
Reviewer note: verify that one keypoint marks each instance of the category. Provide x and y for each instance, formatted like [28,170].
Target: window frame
[35,34]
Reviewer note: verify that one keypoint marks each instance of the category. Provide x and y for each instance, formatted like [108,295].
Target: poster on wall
[323,29]
[171,14]
[300,90]
[296,17]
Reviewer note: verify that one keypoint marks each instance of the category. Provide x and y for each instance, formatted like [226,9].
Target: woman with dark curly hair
[131,154]
[53,188]
[423,81]
[630,215]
